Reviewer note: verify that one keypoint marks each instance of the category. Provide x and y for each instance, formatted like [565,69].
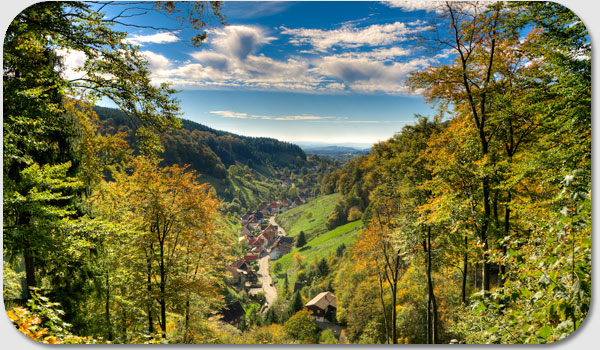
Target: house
[245,218]
[323,307]
[274,207]
[232,313]
[242,273]
[251,257]
[270,232]
[259,242]
[281,246]
[245,230]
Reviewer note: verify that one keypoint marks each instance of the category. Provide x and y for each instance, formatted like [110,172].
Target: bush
[354,214]
[327,337]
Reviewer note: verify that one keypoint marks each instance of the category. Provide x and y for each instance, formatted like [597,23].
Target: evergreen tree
[295,304]
[301,242]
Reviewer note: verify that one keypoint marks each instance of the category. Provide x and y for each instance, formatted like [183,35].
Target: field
[317,248]
[310,217]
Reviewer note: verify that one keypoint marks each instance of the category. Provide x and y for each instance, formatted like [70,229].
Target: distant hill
[210,151]
[336,152]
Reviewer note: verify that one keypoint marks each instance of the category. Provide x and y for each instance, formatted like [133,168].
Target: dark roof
[285,239]
[298,286]
[232,311]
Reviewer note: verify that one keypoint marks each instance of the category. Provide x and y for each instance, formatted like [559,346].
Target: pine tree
[301,242]
[295,305]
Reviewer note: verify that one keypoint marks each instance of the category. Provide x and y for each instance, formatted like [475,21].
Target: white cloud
[213,59]
[239,41]
[381,54]
[159,64]
[72,60]
[438,7]
[349,36]
[237,115]
[158,38]
[429,6]
[232,59]
[368,75]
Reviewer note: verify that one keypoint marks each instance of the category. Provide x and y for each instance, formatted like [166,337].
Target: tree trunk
[187,319]
[483,235]
[502,276]
[465,272]
[431,303]
[29,271]
[162,300]
[107,308]
[385,315]
[149,289]
[428,319]
[394,335]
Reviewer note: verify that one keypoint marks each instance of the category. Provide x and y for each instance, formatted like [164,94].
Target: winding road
[265,278]
[263,270]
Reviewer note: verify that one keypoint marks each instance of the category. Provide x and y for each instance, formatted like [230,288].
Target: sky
[327,72]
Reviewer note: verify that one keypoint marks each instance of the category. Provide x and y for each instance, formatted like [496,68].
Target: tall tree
[469,85]
[175,217]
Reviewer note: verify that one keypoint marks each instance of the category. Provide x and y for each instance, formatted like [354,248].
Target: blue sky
[297,71]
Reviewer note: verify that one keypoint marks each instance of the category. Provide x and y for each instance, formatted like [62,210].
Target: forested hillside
[210,151]
[243,170]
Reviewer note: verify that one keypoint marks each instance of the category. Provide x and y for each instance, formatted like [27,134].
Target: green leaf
[546,332]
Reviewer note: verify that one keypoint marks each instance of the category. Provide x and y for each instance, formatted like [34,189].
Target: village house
[274,208]
[281,246]
[244,219]
[323,307]
[245,231]
[257,244]
[251,257]
[270,233]
[232,313]
[243,274]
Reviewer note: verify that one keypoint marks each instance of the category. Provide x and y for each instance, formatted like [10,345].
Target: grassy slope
[317,248]
[310,217]
[229,226]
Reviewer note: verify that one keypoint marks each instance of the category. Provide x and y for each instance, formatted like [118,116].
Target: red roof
[249,257]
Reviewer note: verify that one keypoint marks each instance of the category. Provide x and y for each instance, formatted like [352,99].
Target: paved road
[263,270]
[265,278]
[274,223]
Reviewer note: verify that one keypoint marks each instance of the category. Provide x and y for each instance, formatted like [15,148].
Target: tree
[327,337]
[38,129]
[174,216]
[301,241]
[295,304]
[301,327]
